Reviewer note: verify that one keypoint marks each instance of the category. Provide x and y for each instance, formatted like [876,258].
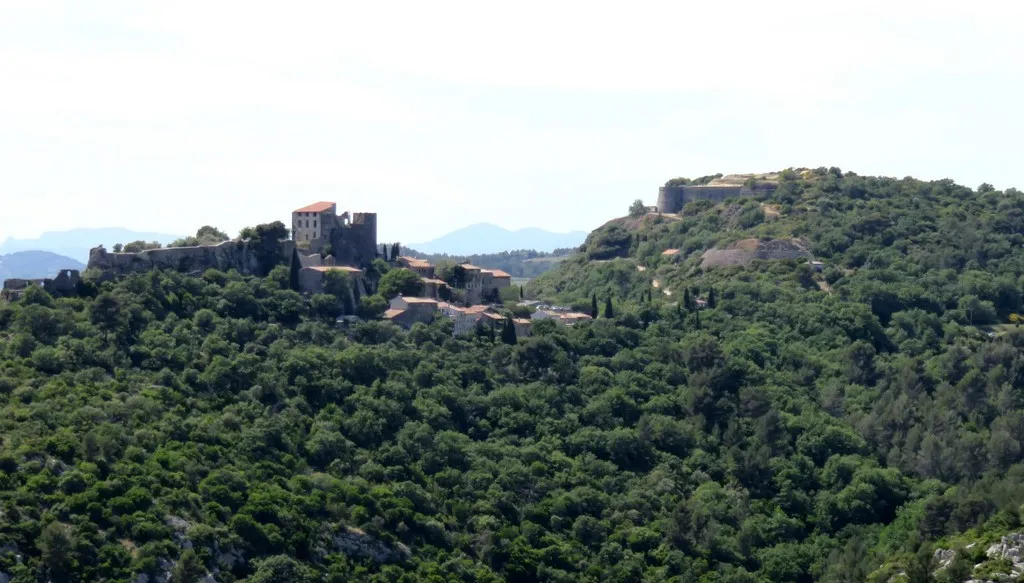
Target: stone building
[422,267]
[350,237]
[407,311]
[308,221]
[65,284]
[311,279]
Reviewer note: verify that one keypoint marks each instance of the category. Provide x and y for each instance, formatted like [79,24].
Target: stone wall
[355,243]
[65,284]
[247,257]
[672,199]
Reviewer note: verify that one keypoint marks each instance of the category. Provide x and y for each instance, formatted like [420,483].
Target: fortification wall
[248,257]
[356,242]
[672,199]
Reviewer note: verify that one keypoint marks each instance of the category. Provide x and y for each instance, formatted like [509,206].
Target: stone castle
[351,238]
[672,199]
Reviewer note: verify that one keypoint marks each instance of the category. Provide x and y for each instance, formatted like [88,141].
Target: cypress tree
[696,319]
[384,250]
[608,311]
[293,271]
[396,250]
[508,333]
[712,301]
[521,294]
[593,306]
[686,299]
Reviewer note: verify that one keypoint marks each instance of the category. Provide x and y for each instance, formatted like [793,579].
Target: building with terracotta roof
[422,267]
[406,311]
[308,221]
[524,327]
[352,238]
[670,252]
[432,287]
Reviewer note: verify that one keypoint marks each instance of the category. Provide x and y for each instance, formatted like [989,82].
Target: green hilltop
[820,382]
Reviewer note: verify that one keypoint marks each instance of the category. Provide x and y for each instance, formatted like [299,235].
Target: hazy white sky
[164,116]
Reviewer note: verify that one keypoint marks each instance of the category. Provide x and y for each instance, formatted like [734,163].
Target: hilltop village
[468,295]
[322,242]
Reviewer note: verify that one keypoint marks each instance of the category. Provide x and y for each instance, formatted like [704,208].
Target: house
[308,221]
[463,321]
[499,279]
[701,303]
[670,252]
[421,267]
[563,318]
[432,287]
[408,311]
[524,327]
[817,265]
[490,320]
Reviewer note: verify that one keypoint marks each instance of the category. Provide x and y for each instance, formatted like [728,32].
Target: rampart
[672,199]
[65,284]
[247,257]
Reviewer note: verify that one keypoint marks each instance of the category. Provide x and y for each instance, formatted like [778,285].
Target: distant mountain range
[77,242]
[488,238]
[35,264]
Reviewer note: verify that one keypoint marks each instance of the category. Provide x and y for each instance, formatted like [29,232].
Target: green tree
[508,332]
[371,307]
[400,281]
[608,311]
[294,267]
[593,306]
[638,208]
[188,569]
[712,299]
[56,546]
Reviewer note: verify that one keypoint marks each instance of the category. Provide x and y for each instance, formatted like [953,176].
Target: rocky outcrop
[1009,547]
[248,257]
[354,542]
[747,250]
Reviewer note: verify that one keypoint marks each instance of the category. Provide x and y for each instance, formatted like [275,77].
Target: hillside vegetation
[803,426]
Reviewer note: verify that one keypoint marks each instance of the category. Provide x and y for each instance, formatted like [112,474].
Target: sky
[165,116]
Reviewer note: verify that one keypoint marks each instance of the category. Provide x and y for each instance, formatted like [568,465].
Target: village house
[421,267]
[432,287]
[498,278]
[563,318]
[311,279]
[408,311]
[524,327]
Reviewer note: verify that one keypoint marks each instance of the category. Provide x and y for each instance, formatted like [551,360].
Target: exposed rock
[747,250]
[244,256]
[944,557]
[1010,547]
[355,542]
[4,577]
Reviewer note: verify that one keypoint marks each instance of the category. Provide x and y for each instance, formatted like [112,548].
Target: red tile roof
[497,273]
[670,252]
[469,267]
[433,281]
[336,267]
[476,309]
[392,313]
[413,262]
[419,300]
[316,207]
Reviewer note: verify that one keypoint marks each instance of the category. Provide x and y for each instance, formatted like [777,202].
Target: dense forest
[753,423]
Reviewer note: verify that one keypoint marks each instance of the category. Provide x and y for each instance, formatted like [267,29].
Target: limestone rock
[747,250]
[355,542]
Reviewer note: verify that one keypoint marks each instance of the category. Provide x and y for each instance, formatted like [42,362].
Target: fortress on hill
[672,198]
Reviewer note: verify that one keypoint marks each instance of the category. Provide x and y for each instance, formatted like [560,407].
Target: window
[314,223]
[307,223]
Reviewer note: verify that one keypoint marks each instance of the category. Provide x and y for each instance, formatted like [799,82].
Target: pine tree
[293,271]
[712,301]
[608,311]
[593,306]
[508,333]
